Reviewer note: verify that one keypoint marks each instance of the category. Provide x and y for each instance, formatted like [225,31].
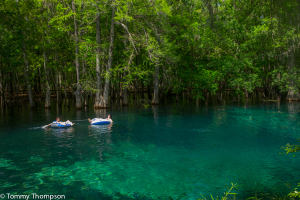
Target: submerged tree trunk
[104,102]
[155,99]
[98,64]
[293,93]
[78,91]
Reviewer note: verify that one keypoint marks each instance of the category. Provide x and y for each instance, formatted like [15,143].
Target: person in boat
[57,121]
[109,117]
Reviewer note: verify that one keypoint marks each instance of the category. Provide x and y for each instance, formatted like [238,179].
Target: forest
[98,51]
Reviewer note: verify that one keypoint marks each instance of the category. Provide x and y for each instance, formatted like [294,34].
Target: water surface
[159,152]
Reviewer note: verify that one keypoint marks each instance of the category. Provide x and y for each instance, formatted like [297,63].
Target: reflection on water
[62,132]
[101,135]
[101,128]
[100,113]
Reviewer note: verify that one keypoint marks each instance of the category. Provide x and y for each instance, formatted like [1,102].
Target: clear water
[161,152]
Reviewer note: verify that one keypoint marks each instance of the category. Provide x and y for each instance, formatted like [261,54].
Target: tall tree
[104,102]
[1,87]
[155,99]
[98,62]
[45,53]
[26,68]
[78,91]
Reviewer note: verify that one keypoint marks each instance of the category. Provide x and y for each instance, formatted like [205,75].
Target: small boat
[100,121]
[66,124]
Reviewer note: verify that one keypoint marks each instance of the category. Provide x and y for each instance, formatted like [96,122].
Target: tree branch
[130,37]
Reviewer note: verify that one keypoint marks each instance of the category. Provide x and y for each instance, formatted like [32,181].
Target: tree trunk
[85,93]
[39,80]
[65,90]
[149,91]
[48,97]
[47,76]
[5,93]
[17,89]
[155,99]
[98,64]
[125,100]
[104,102]
[135,87]
[26,69]
[78,91]
[246,95]
[220,98]
[1,86]
[9,89]
[34,85]
[86,98]
[142,92]
[112,91]
[31,102]
[293,93]
[119,87]
[207,98]
[135,83]
[125,89]
[211,13]
[58,88]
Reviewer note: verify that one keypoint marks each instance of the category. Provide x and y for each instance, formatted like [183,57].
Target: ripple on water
[167,153]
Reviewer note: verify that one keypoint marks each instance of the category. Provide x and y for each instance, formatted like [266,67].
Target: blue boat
[66,124]
[100,121]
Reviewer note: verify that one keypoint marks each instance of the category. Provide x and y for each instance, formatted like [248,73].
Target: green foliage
[291,148]
[295,194]
[200,46]
[229,194]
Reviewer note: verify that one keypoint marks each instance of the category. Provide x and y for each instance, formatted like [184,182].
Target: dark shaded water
[158,152]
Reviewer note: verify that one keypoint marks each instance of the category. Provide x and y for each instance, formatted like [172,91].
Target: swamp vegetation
[145,50]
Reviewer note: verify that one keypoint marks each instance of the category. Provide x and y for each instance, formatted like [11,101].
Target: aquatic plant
[229,194]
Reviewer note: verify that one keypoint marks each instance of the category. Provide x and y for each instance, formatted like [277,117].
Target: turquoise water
[159,152]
